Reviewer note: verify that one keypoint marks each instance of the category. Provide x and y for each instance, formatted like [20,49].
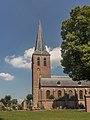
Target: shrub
[51,97]
[81,106]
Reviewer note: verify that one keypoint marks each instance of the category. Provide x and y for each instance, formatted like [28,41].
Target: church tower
[40,65]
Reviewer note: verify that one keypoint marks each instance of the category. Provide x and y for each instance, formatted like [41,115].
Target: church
[50,91]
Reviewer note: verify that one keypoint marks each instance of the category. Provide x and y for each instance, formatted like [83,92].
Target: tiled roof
[62,81]
[1,104]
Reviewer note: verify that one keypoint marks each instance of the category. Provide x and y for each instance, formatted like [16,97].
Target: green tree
[14,104]
[14,101]
[29,98]
[75,32]
[7,100]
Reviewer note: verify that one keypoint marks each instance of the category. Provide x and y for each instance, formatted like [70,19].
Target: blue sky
[18,30]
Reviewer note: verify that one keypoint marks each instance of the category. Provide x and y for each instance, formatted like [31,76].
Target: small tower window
[45,64]
[38,61]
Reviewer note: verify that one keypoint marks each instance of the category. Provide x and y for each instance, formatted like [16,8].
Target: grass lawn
[45,115]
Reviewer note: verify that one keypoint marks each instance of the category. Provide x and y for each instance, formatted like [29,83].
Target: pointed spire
[40,45]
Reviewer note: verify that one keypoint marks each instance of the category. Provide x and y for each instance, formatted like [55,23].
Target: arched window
[85,91]
[89,92]
[45,63]
[81,94]
[59,93]
[38,61]
[47,94]
[70,94]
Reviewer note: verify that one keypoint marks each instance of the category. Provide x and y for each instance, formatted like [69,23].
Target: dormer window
[45,63]
[79,83]
[58,83]
[38,61]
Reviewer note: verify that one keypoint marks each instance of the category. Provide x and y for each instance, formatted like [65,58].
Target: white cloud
[6,76]
[55,57]
[24,61]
